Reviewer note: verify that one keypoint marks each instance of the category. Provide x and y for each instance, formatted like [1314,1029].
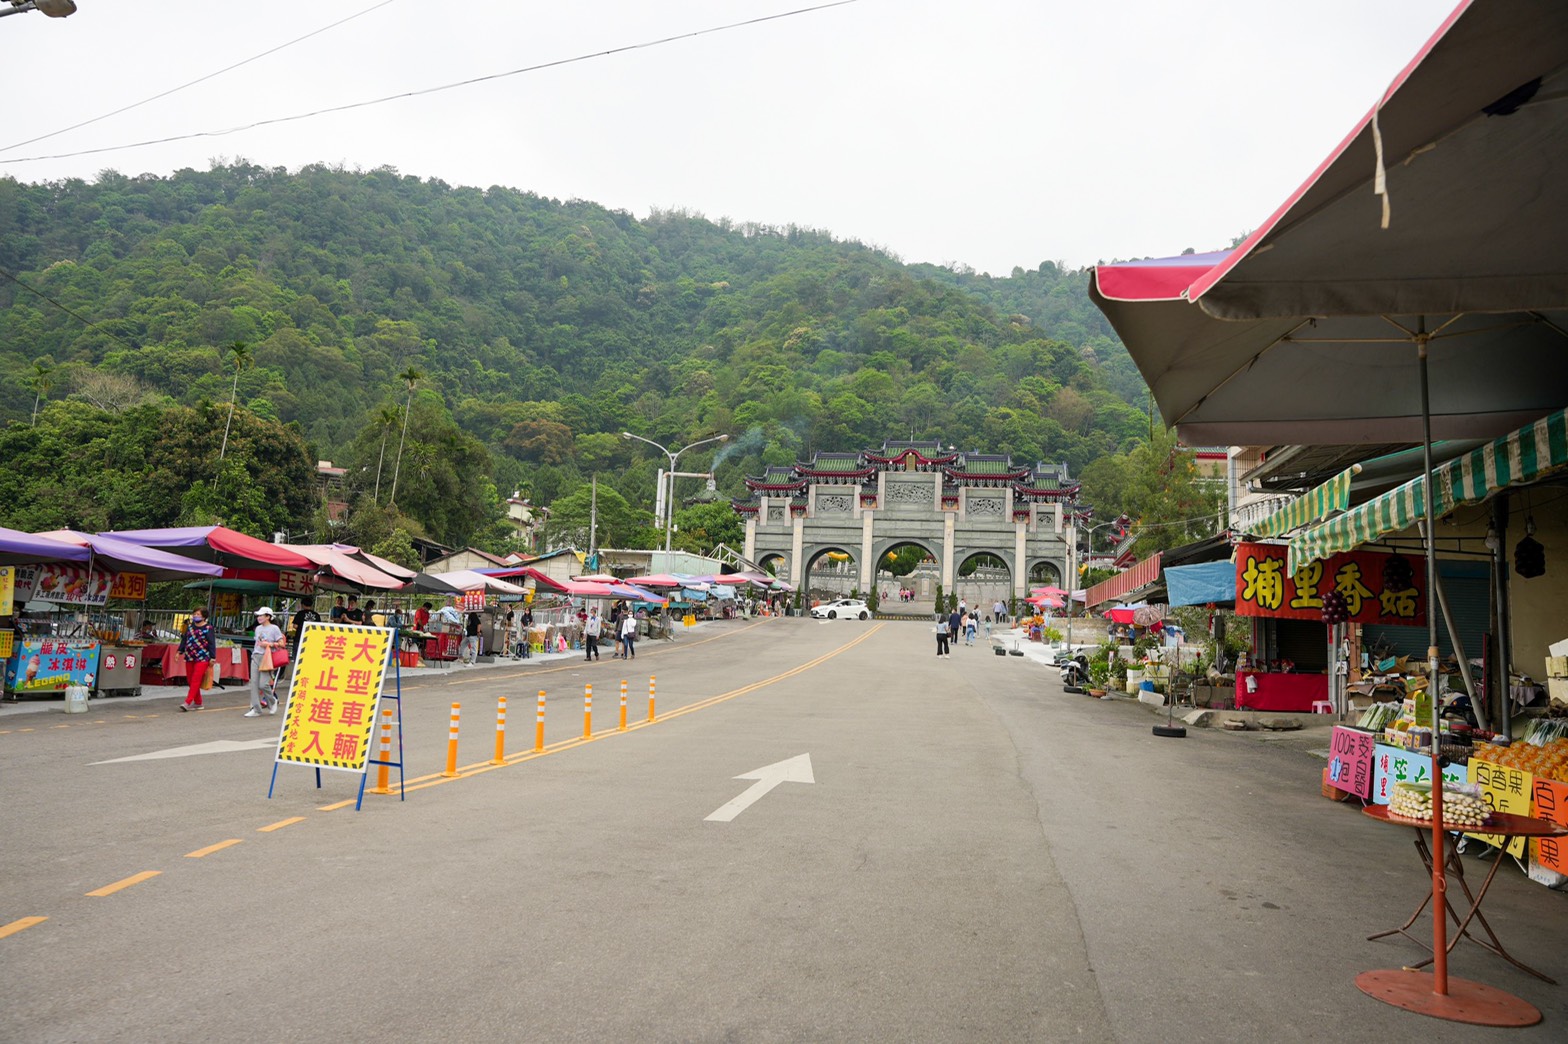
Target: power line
[203,79]
[436,90]
[67,310]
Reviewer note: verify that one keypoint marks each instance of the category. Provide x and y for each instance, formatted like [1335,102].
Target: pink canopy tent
[339,560]
[659,580]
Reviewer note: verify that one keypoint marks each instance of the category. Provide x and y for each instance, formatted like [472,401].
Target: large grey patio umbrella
[1416,286]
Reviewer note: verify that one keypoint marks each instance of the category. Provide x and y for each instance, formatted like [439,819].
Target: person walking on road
[969,628]
[955,628]
[470,647]
[941,636]
[198,646]
[629,635]
[591,629]
[263,692]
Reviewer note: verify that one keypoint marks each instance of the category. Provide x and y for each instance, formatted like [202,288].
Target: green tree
[618,524]
[42,380]
[702,527]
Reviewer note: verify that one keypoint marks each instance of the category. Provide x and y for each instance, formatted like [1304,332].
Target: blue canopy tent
[1207,583]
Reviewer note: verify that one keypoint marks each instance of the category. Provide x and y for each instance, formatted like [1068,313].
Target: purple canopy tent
[19,548]
[113,554]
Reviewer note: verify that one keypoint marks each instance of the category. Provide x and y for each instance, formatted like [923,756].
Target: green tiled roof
[836,462]
[987,465]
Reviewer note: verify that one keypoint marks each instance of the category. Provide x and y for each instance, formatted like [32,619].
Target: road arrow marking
[790,770]
[215,747]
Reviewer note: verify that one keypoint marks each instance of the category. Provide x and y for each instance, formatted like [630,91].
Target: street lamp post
[669,506]
[52,8]
[1073,577]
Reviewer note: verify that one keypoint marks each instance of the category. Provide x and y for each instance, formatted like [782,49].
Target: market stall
[1297,651]
[64,636]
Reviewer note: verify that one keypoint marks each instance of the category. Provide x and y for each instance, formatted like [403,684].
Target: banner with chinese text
[1377,589]
[1350,760]
[472,601]
[1507,790]
[7,590]
[61,583]
[334,694]
[130,586]
[52,664]
[1398,765]
[1551,804]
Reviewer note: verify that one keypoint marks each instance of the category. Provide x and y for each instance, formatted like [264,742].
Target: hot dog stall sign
[1377,588]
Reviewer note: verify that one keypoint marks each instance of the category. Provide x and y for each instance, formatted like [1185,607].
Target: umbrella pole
[1439,848]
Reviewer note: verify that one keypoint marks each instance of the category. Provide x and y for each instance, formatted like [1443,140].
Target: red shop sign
[1378,588]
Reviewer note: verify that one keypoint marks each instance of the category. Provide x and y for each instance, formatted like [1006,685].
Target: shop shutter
[1304,642]
[1469,589]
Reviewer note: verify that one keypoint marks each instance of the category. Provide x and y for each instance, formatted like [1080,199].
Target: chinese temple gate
[952,504]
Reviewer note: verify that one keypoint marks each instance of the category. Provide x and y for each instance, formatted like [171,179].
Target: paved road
[979,858]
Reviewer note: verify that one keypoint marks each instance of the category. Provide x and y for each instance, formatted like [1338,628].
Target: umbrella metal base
[1469,1002]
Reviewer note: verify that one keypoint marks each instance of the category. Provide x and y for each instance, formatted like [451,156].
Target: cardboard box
[1557,666]
[1557,689]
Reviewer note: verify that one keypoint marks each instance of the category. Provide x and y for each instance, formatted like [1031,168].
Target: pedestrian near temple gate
[941,636]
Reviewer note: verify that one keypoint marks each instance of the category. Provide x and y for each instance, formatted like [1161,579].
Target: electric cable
[90,324]
[434,90]
[202,79]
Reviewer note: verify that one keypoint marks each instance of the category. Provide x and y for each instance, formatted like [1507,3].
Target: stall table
[1281,692]
[1499,823]
[161,664]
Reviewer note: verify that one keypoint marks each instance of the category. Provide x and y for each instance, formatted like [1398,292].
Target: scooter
[1074,673]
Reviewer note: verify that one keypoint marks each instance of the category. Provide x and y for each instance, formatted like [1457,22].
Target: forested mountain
[524,334]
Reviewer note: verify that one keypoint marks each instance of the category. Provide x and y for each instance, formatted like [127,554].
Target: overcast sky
[991,133]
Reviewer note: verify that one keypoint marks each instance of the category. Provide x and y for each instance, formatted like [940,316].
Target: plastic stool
[1322,706]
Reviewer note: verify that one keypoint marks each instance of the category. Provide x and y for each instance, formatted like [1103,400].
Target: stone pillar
[947,549]
[867,566]
[1021,558]
[797,568]
[751,537]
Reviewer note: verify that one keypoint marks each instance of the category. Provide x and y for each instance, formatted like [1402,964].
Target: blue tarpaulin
[1201,584]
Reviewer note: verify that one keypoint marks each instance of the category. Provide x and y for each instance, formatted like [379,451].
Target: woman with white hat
[268,638]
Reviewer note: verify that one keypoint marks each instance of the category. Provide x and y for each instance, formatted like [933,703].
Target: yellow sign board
[334,694]
[7,591]
[7,644]
[1504,790]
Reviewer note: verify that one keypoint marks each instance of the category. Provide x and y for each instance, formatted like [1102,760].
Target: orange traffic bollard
[623,705]
[587,712]
[650,697]
[451,743]
[384,772]
[539,726]
[500,733]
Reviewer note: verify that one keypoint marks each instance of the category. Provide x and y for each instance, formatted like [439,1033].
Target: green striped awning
[1328,499]
[1516,459]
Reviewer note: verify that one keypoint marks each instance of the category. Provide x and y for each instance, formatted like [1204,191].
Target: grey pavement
[981,857]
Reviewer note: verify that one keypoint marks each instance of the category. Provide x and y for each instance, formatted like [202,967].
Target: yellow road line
[280,824]
[220,846]
[19,926]
[436,780]
[335,807]
[110,889]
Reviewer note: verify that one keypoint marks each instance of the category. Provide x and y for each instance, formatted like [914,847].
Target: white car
[849,608]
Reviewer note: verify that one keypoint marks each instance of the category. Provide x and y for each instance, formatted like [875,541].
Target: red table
[1499,823]
[1281,692]
[163,665]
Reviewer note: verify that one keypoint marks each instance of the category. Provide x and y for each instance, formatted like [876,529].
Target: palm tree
[410,377]
[43,380]
[240,356]
[387,417]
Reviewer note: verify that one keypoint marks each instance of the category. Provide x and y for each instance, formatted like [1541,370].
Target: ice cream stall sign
[52,664]
[67,584]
